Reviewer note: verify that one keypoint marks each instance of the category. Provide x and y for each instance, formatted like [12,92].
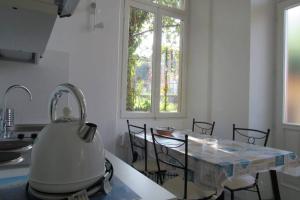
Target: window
[153,54]
[292,66]
[180,4]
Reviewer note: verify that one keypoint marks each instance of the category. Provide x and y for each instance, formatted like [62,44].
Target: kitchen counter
[144,187]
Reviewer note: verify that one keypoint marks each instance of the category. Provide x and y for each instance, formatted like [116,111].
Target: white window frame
[159,11]
[281,57]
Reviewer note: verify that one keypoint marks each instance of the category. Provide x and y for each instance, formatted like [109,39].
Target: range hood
[26,26]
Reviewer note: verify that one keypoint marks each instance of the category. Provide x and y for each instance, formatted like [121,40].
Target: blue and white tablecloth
[212,162]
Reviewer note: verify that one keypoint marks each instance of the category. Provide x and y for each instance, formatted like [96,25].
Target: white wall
[220,55]
[262,73]
[230,47]
[93,57]
[95,67]
[93,61]
[232,44]
[41,79]
[262,63]
[198,72]
[230,64]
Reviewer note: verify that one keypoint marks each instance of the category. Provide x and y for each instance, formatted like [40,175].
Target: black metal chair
[179,186]
[246,182]
[140,163]
[204,127]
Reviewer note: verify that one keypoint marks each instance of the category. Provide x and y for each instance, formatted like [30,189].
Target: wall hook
[94,12]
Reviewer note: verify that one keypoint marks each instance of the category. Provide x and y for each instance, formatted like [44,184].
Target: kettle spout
[87,132]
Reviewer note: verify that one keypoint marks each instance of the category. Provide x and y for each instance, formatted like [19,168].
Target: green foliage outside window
[139,70]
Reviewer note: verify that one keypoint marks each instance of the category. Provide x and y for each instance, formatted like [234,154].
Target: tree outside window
[142,48]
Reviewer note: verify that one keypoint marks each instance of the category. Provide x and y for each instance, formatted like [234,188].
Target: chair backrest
[162,155]
[203,127]
[133,130]
[251,135]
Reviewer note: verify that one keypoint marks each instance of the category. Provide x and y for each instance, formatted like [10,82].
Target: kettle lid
[67,116]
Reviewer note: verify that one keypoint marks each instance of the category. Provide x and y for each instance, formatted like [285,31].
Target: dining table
[212,161]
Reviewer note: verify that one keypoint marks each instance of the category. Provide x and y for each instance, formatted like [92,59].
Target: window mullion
[125,56]
[157,63]
[180,70]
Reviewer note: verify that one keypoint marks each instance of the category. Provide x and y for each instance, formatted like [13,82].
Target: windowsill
[151,116]
[156,118]
[291,126]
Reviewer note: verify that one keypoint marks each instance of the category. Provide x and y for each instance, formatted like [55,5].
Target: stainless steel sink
[33,128]
[14,151]
[10,158]
[14,145]
[19,142]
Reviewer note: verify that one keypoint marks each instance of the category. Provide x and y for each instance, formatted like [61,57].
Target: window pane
[140,50]
[170,64]
[292,68]
[171,3]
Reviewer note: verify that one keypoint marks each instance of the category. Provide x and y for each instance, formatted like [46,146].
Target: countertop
[143,186]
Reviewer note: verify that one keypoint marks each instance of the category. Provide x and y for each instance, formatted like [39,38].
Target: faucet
[3,125]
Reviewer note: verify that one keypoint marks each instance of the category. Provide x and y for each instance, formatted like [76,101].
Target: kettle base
[97,187]
[63,188]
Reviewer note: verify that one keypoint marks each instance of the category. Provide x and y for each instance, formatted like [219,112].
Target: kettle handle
[67,88]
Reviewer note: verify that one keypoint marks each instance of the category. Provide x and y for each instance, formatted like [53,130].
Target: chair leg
[160,178]
[232,195]
[157,177]
[258,192]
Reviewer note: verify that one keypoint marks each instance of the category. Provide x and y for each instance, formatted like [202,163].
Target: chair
[246,182]
[179,186]
[204,127]
[144,165]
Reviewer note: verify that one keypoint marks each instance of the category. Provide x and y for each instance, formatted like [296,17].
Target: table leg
[221,197]
[275,187]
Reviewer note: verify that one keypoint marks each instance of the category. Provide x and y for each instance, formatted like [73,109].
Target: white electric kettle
[68,153]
